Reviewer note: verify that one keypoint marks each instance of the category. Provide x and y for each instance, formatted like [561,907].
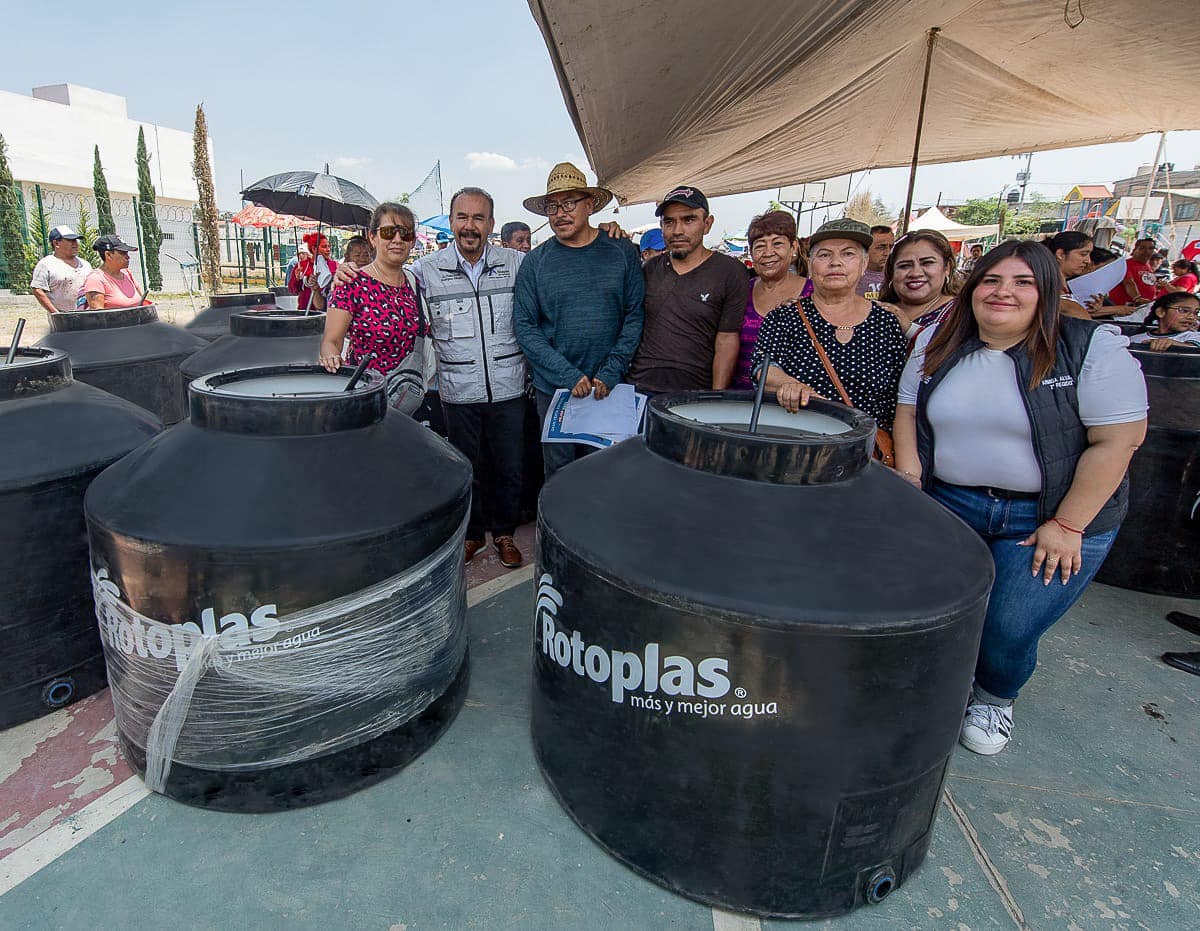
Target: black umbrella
[325,198]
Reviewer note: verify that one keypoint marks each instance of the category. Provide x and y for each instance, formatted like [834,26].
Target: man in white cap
[578,302]
[58,277]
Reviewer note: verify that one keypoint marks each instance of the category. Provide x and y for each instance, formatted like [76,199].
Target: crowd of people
[989,388]
[994,389]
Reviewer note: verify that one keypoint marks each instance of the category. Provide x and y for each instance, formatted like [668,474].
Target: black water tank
[752,654]
[213,321]
[259,337]
[1156,548]
[56,435]
[128,352]
[311,538]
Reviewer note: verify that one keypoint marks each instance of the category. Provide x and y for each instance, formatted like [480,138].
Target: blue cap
[653,239]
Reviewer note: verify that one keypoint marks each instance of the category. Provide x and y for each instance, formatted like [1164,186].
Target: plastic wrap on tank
[183,692]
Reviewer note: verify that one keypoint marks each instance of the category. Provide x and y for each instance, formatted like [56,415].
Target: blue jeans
[1022,607]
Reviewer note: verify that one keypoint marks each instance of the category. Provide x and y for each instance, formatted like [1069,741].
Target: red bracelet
[1066,527]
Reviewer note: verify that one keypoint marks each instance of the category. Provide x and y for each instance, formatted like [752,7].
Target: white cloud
[350,162]
[490,161]
[536,162]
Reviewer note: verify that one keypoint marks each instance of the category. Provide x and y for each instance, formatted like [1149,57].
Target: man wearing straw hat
[578,301]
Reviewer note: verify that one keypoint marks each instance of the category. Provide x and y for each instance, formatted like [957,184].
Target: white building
[50,137]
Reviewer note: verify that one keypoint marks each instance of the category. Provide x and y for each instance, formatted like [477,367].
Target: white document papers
[592,422]
[1101,281]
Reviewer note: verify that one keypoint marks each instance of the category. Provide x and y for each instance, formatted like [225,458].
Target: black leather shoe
[1188,622]
[1188,662]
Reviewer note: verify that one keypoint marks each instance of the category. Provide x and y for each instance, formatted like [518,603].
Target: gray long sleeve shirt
[578,311]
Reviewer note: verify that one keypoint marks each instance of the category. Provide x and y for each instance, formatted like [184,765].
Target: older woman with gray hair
[862,341]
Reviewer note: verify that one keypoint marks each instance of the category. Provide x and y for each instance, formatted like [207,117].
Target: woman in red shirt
[379,309]
[304,278]
[1187,277]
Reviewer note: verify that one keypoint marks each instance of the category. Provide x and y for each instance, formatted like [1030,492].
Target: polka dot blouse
[869,365]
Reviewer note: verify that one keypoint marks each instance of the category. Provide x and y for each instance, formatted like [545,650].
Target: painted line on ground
[497,585]
[731,921]
[74,829]
[52,843]
[994,877]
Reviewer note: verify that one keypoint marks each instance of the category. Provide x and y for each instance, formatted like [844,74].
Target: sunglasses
[407,233]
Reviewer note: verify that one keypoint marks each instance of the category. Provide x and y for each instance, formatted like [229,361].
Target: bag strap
[411,278]
[829,369]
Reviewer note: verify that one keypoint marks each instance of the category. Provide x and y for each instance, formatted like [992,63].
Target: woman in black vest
[1022,422]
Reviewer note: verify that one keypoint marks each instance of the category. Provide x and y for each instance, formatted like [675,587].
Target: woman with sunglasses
[379,310]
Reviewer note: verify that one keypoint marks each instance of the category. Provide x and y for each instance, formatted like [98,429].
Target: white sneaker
[986,729]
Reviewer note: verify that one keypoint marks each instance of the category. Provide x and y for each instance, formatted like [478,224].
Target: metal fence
[250,258]
[42,208]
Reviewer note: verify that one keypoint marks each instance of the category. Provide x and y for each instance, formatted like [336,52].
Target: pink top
[122,292]
[385,321]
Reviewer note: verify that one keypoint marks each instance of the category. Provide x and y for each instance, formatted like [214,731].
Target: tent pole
[1162,142]
[912,172]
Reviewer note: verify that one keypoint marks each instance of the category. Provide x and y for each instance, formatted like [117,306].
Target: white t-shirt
[1190,337]
[60,280]
[979,419]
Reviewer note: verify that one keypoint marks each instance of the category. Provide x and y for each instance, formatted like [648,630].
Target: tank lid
[103,319]
[286,400]
[277,323]
[710,431]
[242,299]
[33,371]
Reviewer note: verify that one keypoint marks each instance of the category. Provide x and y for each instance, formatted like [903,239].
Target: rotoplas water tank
[752,654]
[128,352]
[56,435]
[281,590]
[213,322]
[1156,548]
[259,337]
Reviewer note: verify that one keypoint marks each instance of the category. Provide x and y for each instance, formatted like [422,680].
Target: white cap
[63,232]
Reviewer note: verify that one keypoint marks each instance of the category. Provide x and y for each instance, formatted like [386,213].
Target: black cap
[690,196]
[113,243]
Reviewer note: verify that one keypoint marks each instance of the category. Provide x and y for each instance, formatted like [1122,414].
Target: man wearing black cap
[695,302]
[58,277]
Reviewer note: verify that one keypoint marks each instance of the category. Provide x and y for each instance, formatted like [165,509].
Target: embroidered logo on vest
[1058,381]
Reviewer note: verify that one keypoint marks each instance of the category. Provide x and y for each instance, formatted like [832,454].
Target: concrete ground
[1090,819]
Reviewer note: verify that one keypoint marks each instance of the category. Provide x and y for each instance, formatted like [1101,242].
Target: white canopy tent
[733,98]
[934,219]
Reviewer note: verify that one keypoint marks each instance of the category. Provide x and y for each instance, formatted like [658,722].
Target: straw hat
[566,177]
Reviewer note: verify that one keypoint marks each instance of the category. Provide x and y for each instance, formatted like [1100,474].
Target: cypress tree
[104,217]
[12,228]
[151,232]
[206,209]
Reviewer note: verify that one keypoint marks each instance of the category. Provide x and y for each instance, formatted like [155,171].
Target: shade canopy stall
[733,100]
[934,219]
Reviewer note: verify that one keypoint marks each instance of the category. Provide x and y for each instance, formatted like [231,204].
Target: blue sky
[383,90]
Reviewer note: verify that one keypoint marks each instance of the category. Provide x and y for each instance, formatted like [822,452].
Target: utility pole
[1023,177]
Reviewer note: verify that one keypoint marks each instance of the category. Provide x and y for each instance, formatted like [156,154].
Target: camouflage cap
[845,228]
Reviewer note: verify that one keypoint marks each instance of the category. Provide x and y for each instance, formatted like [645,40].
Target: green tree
[104,217]
[12,228]
[151,232]
[206,208]
[88,235]
[979,211]
[39,233]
